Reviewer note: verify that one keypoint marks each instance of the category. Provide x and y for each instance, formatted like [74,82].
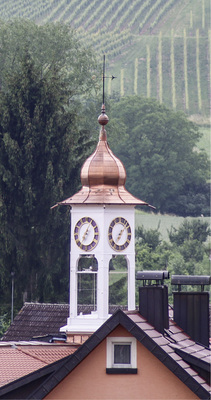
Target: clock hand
[85,233]
[120,233]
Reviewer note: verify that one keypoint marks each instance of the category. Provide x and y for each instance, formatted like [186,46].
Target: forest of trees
[158,148]
[48,106]
[43,142]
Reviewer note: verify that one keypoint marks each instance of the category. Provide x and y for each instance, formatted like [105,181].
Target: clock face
[86,234]
[119,234]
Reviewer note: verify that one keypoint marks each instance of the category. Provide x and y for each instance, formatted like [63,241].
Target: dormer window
[121,355]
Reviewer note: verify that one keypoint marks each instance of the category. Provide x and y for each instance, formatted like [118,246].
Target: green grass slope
[162,222]
[156,48]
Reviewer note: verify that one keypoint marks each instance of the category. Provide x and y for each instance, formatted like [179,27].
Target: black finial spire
[103,78]
[111,77]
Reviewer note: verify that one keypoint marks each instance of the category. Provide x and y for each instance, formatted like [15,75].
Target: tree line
[49,103]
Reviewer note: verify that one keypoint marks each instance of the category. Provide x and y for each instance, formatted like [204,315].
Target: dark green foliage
[118,280]
[190,241]
[43,142]
[151,252]
[190,230]
[149,237]
[118,292]
[157,146]
[187,253]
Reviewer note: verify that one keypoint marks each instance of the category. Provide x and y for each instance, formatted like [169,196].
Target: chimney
[153,298]
[191,308]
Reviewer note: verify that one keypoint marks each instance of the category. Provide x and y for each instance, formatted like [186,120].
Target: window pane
[122,354]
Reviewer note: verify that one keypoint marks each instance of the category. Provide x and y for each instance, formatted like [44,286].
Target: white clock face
[119,234]
[86,234]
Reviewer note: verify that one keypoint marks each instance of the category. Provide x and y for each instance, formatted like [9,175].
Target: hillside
[156,48]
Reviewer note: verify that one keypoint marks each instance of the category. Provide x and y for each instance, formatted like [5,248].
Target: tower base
[85,324]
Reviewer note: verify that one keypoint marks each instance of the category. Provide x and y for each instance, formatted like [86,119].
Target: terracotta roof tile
[17,361]
[15,364]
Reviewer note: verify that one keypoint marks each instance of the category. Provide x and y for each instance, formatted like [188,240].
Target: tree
[158,148]
[190,240]
[196,229]
[43,142]
[151,252]
[187,252]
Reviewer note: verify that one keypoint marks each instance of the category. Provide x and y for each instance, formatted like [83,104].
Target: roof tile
[21,360]
[183,364]
[161,341]
[199,379]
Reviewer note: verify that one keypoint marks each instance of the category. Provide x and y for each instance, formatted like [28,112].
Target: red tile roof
[18,360]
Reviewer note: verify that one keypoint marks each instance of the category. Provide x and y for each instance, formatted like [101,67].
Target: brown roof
[18,360]
[36,320]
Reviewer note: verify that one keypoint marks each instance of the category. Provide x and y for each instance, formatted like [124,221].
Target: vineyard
[156,48]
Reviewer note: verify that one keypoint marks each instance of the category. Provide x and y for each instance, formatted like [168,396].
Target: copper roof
[103,176]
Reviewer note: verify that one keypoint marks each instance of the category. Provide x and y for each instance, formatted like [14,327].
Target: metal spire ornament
[104,77]
[103,118]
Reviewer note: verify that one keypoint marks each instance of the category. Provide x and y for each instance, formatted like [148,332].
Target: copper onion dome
[103,176]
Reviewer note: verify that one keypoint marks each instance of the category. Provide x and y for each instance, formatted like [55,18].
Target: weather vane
[104,77]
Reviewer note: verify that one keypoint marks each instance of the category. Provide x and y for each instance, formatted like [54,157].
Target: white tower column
[73,285]
[103,287]
[131,281]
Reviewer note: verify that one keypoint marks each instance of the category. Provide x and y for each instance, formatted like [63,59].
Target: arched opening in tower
[118,280]
[87,284]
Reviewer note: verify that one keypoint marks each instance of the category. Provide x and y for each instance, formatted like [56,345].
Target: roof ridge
[32,356]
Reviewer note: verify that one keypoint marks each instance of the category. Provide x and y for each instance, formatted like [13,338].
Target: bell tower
[102,227]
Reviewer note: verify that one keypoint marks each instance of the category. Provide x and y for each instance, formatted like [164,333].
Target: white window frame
[111,341]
